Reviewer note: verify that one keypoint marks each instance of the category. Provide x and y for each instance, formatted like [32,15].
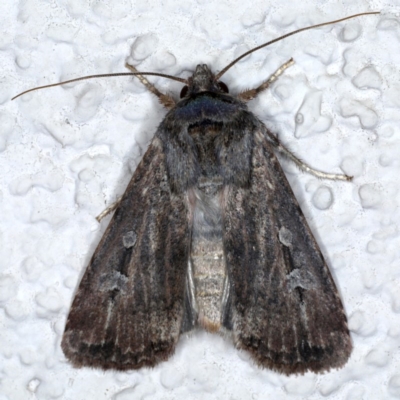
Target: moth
[208,233]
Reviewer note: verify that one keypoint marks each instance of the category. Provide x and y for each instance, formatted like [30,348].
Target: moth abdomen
[207,259]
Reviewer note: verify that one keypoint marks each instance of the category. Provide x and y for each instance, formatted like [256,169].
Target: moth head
[203,80]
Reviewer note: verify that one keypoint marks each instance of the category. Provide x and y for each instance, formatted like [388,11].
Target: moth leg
[252,93]
[302,165]
[166,100]
[109,210]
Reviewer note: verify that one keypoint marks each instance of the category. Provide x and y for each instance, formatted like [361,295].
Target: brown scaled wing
[128,309]
[284,306]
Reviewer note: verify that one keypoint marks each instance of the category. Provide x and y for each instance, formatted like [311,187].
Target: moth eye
[184,91]
[223,87]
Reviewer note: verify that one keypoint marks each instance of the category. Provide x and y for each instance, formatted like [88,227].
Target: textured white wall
[68,152]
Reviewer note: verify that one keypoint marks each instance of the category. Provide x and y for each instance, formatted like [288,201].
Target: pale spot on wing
[113,280]
[129,239]
[285,236]
[301,277]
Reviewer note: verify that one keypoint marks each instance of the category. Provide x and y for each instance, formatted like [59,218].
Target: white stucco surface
[66,153]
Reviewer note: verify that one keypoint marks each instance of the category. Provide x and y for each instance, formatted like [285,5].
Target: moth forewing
[129,307]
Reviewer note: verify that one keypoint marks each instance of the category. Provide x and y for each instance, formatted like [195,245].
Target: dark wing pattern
[284,307]
[129,307]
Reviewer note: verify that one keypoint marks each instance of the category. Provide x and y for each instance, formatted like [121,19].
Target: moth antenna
[174,78]
[218,76]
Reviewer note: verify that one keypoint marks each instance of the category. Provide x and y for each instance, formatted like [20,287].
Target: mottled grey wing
[283,305]
[129,307]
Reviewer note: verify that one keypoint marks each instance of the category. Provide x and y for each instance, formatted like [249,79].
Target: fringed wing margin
[129,306]
[284,306]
